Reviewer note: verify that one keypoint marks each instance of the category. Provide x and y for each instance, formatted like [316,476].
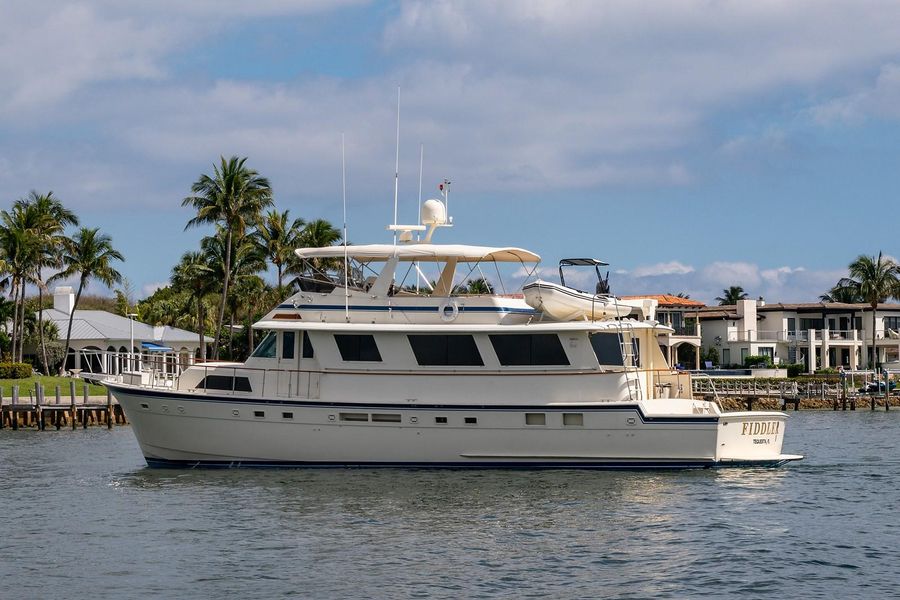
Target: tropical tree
[19,245]
[232,198]
[277,236]
[89,255]
[49,219]
[845,291]
[317,234]
[874,280]
[247,260]
[194,275]
[732,295]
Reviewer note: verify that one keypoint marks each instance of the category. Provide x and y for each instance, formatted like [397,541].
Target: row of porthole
[534,419]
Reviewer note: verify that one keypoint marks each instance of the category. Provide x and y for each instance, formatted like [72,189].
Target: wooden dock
[748,394]
[38,411]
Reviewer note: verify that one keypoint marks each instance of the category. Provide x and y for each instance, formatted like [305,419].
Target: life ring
[448,310]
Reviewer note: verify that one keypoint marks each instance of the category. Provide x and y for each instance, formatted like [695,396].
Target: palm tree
[233,199]
[89,255]
[277,237]
[844,291]
[19,246]
[317,234]
[732,295]
[195,276]
[247,261]
[48,218]
[875,280]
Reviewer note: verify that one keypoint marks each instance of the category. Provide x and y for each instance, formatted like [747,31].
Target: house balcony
[793,337]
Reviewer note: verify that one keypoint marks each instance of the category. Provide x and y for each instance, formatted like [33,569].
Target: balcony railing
[794,336]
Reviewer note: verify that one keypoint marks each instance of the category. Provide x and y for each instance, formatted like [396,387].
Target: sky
[692,144]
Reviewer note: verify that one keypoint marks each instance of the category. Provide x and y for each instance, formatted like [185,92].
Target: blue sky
[692,144]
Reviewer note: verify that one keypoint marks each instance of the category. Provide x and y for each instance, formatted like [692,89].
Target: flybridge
[422,253]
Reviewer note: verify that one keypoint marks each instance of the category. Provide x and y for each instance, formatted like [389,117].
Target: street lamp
[131,317]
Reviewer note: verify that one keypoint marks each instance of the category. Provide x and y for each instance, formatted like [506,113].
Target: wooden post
[84,393]
[58,397]
[14,415]
[72,398]
[109,414]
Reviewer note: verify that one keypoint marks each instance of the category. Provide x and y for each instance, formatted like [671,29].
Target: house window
[792,325]
[726,356]
[767,351]
[892,323]
[288,339]
[744,354]
[445,350]
[357,347]
[529,349]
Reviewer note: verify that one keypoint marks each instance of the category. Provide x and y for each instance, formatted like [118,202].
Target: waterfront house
[681,314]
[101,340]
[818,334]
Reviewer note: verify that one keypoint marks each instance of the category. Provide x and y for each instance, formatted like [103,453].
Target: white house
[818,334]
[101,340]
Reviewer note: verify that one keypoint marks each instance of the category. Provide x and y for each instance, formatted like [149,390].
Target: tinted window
[224,382]
[445,350]
[357,347]
[307,347]
[606,347]
[287,344]
[266,348]
[533,349]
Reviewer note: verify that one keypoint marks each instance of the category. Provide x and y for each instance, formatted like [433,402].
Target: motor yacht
[373,362]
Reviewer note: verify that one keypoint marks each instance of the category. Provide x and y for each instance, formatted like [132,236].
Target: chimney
[64,299]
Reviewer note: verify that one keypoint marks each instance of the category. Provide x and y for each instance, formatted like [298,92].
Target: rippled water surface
[84,517]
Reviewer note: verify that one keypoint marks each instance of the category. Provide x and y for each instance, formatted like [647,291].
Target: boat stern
[752,438]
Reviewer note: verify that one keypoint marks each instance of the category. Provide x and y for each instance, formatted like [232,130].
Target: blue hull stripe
[420,407]
[163,463]
[434,309]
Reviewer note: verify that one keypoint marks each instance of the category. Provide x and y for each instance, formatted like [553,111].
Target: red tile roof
[669,300]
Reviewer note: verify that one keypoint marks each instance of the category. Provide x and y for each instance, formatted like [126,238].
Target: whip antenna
[397,166]
[344,202]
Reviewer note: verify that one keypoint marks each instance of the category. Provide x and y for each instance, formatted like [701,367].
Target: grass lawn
[49,382]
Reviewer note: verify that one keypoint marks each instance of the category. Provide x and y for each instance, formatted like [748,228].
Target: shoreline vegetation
[49,383]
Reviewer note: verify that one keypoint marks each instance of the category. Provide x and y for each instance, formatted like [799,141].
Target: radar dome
[434,213]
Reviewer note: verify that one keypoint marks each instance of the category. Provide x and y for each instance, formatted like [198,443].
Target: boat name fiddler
[761,428]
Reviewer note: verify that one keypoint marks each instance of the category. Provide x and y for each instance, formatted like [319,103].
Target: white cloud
[882,99]
[667,268]
[776,284]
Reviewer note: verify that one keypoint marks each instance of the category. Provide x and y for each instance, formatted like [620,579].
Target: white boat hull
[566,304]
[189,430]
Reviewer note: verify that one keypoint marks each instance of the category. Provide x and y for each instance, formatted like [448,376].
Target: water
[83,516]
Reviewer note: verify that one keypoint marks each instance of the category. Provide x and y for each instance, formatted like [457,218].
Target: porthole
[471,420]
[440,420]
[145,406]
[287,415]
[535,419]
[259,414]
[573,419]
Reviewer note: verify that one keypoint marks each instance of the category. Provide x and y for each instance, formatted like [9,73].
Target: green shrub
[757,361]
[15,371]
[794,369]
